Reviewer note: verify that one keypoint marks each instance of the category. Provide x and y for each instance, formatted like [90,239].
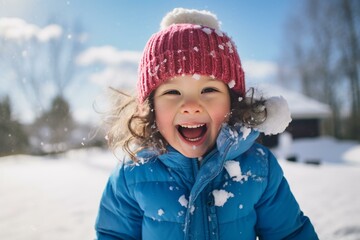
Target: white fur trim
[278,116]
[193,16]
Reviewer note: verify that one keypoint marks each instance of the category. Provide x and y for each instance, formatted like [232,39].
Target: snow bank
[323,150]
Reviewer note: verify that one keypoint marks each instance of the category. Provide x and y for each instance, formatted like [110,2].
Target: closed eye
[209,90]
[171,92]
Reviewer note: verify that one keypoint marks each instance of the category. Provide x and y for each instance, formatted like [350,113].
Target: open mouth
[192,133]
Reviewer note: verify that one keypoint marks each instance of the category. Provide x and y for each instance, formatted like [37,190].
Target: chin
[194,153]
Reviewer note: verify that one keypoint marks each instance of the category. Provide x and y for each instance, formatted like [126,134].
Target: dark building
[307,114]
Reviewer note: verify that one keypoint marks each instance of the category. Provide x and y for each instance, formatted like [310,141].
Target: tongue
[191,132]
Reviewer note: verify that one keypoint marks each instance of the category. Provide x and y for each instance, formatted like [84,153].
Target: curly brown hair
[132,126]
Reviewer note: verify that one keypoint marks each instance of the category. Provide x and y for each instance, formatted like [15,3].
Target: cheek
[220,116]
[163,117]
[220,111]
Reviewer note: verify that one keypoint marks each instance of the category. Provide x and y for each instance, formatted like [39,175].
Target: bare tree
[349,43]
[12,134]
[41,60]
[43,64]
[322,48]
[62,55]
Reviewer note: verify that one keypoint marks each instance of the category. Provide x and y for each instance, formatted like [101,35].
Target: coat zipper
[196,168]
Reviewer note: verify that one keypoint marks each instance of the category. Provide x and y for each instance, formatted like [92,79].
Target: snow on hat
[189,42]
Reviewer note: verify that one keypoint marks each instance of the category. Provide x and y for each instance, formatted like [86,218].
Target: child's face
[189,112]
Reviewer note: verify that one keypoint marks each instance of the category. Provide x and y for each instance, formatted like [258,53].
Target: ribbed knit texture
[187,49]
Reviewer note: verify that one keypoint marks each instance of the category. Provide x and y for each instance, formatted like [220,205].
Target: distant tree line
[55,131]
[323,47]
[38,58]
[14,140]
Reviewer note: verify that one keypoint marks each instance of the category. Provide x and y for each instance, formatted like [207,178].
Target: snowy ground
[50,199]
[57,198]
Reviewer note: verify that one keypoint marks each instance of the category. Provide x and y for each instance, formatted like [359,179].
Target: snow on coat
[238,192]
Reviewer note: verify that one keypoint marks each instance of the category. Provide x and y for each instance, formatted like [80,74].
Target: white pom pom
[182,15]
[278,116]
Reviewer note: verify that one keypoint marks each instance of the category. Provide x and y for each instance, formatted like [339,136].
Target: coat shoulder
[257,159]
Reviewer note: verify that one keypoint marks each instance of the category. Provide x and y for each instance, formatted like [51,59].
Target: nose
[191,106]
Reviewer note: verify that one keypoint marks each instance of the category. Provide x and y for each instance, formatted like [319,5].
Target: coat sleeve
[119,215]
[279,215]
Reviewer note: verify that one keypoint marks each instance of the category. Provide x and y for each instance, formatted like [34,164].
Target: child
[196,171]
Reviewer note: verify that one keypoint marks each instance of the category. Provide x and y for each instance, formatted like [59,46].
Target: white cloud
[123,78]
[259,69]
[120,69]
[49,32]
[18,29]
[107,55]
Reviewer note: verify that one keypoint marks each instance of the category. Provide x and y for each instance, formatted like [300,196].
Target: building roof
[301,106]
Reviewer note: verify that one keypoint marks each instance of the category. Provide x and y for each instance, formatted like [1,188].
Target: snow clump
[196,76]
[261,151]
[221,196]
[233,134]
[219,33]
[234,170]
[246,131]
[192,209]
[231,84]
[160,212]
[278,116]
[207,30]
[183,201]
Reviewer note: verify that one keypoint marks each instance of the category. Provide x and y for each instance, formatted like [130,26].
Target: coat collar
[231,142]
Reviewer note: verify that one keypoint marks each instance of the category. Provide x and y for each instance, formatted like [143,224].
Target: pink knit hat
[189,49]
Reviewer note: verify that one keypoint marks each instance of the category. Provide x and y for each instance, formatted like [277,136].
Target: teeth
[193,139]
[192,126]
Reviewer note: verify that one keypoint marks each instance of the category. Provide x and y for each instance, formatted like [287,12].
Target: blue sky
[256,26]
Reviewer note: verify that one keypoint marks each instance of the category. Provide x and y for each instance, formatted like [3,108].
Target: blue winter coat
[173,197]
